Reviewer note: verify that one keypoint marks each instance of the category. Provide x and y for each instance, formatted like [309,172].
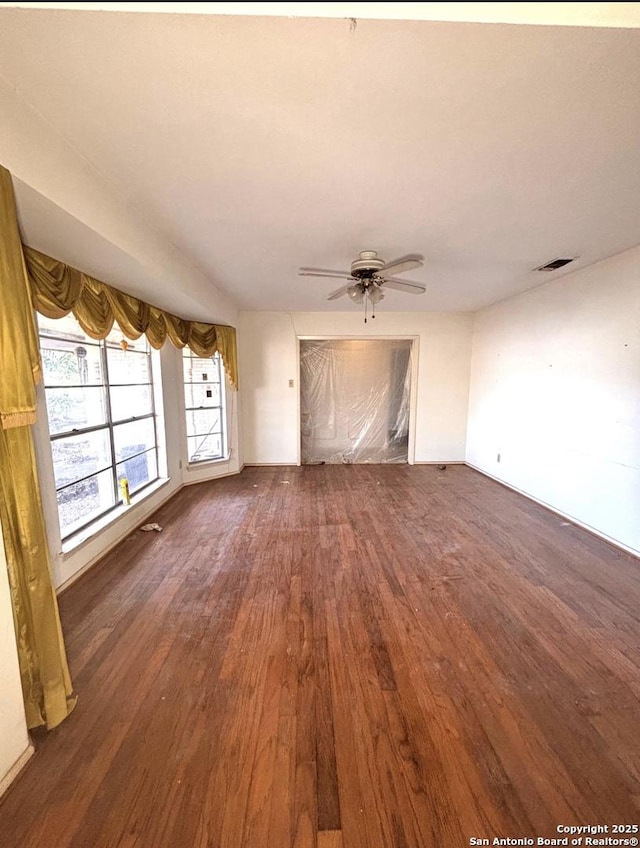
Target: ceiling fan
[367,277]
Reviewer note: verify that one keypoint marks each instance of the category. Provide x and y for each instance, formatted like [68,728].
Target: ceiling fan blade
[323,272]
[338,293]
[404,263]
[404,286]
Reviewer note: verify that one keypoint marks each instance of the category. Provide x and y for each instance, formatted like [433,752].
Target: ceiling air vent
[553,266]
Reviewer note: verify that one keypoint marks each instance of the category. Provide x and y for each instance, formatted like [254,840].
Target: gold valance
[58,289]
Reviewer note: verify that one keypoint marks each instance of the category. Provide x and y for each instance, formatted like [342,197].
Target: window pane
[68,363]
[80,456]
[200,422]
[76,387]
[133,438]
[139,470]
[75,408]
[198,370]
[204,399]
[202,394]
[127,366]
[81,503]
[204,447]
[130,401]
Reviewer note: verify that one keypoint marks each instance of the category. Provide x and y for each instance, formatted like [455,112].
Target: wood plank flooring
[343,657]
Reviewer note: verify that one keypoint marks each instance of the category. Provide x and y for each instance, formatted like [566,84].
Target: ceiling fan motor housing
[367,265]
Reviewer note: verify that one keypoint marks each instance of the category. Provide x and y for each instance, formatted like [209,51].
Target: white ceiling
[556,14]
[259,144]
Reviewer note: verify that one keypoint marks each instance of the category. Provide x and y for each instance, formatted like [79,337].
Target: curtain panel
[46,684]
[58,289]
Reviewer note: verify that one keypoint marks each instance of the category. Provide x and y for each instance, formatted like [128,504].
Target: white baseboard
[292,464]
[559,512]
[16,768]
[439,462]
[211,479]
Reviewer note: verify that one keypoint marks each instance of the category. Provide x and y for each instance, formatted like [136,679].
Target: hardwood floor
[343,657]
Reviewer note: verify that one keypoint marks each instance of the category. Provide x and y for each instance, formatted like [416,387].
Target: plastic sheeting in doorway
[354,400]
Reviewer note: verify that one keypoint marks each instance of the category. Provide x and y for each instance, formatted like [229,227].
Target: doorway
[354,400]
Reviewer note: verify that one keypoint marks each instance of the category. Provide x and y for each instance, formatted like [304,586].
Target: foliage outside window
[204,406]
[102,422]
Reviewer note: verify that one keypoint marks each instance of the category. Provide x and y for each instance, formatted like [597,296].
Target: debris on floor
[147,528]
[286,481]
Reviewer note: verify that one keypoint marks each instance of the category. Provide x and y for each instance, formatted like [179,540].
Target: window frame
[221,407]
[109,425]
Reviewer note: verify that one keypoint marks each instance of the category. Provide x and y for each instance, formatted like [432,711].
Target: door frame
[413,385]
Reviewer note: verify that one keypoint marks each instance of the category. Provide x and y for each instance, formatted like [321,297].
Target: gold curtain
[46,683]
[58,289]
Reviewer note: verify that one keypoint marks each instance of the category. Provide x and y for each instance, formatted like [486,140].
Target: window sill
[207,463]
[82,537]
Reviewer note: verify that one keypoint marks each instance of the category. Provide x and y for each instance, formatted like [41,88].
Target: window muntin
[204,407]
[102,422]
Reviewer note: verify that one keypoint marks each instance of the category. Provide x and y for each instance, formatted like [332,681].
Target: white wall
[268,353]
[67,565]
[555,390]
[47,163]
[14,741]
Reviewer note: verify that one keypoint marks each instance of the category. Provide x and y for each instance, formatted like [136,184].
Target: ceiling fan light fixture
[356,293]
[375,293]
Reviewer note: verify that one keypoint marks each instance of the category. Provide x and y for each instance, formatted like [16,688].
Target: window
[204,405]
[102,421]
